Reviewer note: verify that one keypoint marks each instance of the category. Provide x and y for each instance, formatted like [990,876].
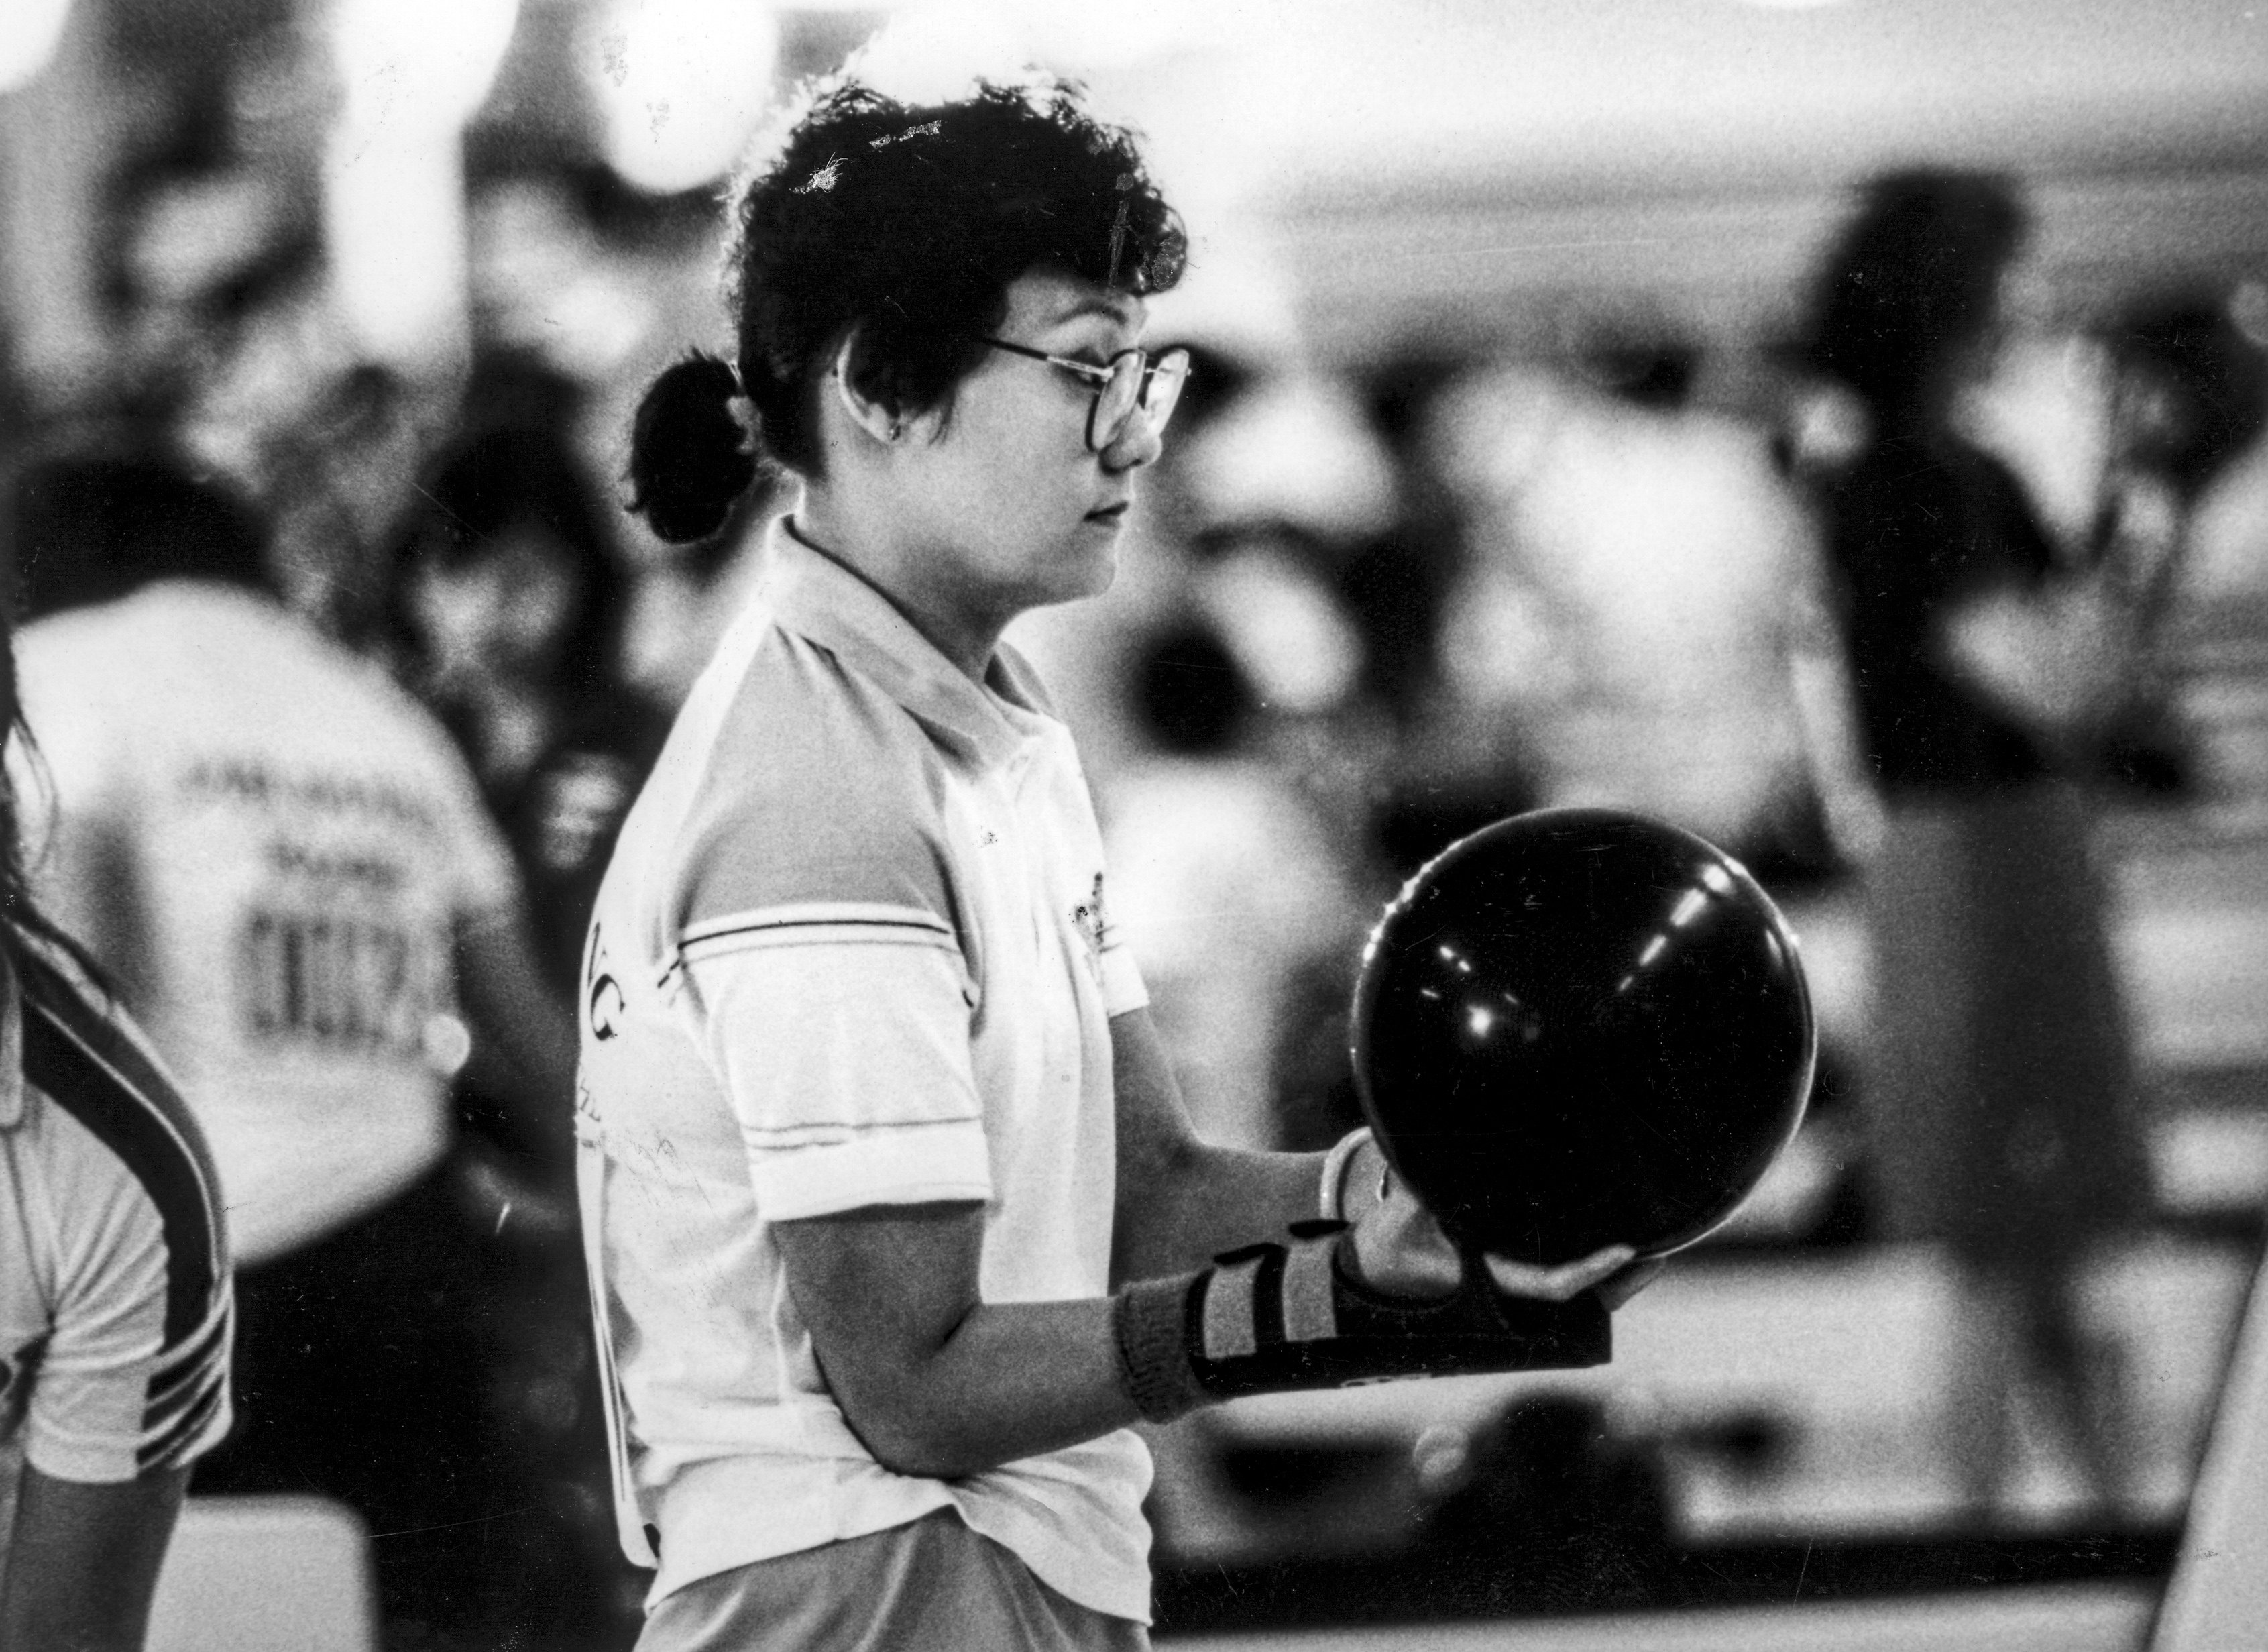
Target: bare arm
[937,1381]
[523,1037]
[933,1381]
[84,1562]
[1181,1200]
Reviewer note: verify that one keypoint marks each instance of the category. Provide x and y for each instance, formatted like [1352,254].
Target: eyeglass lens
[1154,387]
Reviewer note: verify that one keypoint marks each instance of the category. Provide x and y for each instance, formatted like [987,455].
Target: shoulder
[86,1063]
[135,1273]
[61,638]
[140,1272]
[69,668]
[818,789]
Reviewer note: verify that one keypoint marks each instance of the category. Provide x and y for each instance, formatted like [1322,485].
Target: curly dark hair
[901,228]
[20,916]
[1914,279]
[97,523]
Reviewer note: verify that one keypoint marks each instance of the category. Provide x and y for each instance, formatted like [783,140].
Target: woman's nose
[1135,444]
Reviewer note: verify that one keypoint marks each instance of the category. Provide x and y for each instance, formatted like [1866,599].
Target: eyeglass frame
[1098,377]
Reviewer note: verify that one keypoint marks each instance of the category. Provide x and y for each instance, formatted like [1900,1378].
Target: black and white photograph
[1244,825]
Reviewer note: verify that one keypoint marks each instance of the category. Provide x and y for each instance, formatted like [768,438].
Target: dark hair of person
[19,914]
[494,481]
[899,228]
[2216,374]
[1191,697]
[1913,279]
[1659,374]
[89,529]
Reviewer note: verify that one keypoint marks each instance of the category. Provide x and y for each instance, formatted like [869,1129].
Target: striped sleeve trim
[833,924]
[179,1375]
[944,1160]
[198,1427]
[780,1138]
[101,1078]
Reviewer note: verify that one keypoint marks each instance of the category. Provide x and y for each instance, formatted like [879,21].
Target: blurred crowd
[1367,608]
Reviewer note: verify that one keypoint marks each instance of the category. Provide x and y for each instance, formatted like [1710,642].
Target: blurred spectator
[328,444]
[2190,395]
[507,619]
[1642,600]
[1228,886]
[2194,391]
[2000,1089]
[285,866]
[1394,583]
[340,486]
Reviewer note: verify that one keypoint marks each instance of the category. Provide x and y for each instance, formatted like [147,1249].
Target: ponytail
[689,458]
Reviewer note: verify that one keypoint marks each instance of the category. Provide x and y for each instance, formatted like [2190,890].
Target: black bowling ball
[1579,1027]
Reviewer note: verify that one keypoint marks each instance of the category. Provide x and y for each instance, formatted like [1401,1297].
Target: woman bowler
[894,1217]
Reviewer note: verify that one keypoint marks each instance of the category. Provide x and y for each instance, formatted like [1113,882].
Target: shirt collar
[822,598]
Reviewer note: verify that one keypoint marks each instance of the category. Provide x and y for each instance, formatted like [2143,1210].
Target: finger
[1560,1283]
[1401,1249]
[1630,1281]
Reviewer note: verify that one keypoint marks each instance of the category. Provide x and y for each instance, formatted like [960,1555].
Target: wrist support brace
[1276,1316]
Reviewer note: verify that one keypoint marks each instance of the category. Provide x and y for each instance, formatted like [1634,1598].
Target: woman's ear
[866,413]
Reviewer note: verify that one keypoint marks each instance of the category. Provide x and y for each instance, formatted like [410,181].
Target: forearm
[523,1039]
[1013,1380]
[1182,1201]
[85,1560]
[1196,1200]
[937,1383]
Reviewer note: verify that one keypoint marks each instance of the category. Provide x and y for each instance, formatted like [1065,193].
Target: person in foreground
[115,1308]
[874,1121]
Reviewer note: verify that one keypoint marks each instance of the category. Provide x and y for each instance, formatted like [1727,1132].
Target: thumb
[1399,1248]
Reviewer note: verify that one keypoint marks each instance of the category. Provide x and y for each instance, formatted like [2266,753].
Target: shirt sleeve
[817,925]
[126,1385]
[843,1045]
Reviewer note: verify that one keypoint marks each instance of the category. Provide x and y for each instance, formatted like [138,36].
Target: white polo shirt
[851,952]
[114,1300]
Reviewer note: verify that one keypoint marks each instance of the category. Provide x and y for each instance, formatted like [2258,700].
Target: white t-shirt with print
[269,844]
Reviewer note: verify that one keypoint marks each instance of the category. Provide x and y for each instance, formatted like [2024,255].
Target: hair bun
[688,455]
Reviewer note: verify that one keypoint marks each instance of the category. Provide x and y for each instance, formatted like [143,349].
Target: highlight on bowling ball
[1579,1027]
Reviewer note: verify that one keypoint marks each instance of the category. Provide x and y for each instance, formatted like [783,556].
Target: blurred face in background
[342,484]
[494,612]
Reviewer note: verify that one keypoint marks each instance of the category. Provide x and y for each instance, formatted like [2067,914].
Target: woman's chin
[1088,568]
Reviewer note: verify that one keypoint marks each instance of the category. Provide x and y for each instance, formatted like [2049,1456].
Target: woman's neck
[896,568]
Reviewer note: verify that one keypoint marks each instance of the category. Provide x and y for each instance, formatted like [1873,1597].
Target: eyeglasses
[1130,380]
